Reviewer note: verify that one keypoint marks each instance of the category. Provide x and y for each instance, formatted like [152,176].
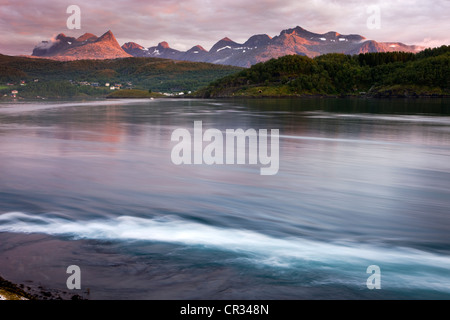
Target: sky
[183,24]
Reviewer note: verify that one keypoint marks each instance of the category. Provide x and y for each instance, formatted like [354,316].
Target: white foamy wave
[426,270]
[279,252]
[191,233]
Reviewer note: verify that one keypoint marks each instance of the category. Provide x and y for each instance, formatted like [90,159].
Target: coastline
[141,94]
[282,97]
[11,291]
[31,291]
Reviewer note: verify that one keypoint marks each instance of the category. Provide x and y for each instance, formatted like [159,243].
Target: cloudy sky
[183,24]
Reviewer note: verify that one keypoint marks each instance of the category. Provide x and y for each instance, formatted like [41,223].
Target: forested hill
[60,78]
[389,74]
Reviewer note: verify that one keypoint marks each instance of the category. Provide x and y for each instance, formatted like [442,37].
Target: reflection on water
[361,182]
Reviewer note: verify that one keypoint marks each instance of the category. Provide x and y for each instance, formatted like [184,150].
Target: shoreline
[11,291]
[229,97]
[32,291]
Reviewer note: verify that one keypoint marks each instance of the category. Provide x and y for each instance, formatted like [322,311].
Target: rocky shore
[11,291]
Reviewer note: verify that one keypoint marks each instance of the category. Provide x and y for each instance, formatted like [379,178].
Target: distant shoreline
[237,97]
[380,97]
[144,95]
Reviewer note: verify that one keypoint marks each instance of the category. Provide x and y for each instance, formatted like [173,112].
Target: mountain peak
[61,36]
[197,48]
[298,31]
[332,34]
[163,44]
[258,40]
[298,28]
[132,45]
[87,36]
[225,43]
[107,36]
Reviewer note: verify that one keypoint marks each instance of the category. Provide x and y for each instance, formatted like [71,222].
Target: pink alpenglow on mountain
[258,48]
[88,46]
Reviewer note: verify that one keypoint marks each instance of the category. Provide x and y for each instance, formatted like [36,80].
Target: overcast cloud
[183,24]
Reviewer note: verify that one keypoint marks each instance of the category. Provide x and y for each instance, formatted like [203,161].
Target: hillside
[72,78]
[388,74]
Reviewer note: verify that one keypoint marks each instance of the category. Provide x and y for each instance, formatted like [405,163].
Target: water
[360,183]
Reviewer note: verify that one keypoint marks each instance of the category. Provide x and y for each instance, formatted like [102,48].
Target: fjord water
[360,183]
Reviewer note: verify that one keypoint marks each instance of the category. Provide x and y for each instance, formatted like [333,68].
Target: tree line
[339,74]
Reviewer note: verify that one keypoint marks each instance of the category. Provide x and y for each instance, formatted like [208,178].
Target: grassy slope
[144,73]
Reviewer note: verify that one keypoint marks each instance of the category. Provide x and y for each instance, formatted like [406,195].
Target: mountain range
[258,48]
[88,46]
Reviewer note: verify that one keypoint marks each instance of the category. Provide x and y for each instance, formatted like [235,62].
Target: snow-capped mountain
[258,48]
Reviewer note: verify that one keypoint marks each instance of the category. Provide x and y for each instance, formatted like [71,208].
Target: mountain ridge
[87,46]
[258,48]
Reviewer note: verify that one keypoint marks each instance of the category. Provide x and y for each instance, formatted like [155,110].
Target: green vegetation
[426,73]
[76,78]
[57,89]
[391,74]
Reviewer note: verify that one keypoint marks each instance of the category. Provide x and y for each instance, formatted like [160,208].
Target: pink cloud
[24,23]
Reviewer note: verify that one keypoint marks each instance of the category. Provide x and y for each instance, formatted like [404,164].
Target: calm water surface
[360,183]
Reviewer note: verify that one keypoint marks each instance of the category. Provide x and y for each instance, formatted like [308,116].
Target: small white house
[107,84]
